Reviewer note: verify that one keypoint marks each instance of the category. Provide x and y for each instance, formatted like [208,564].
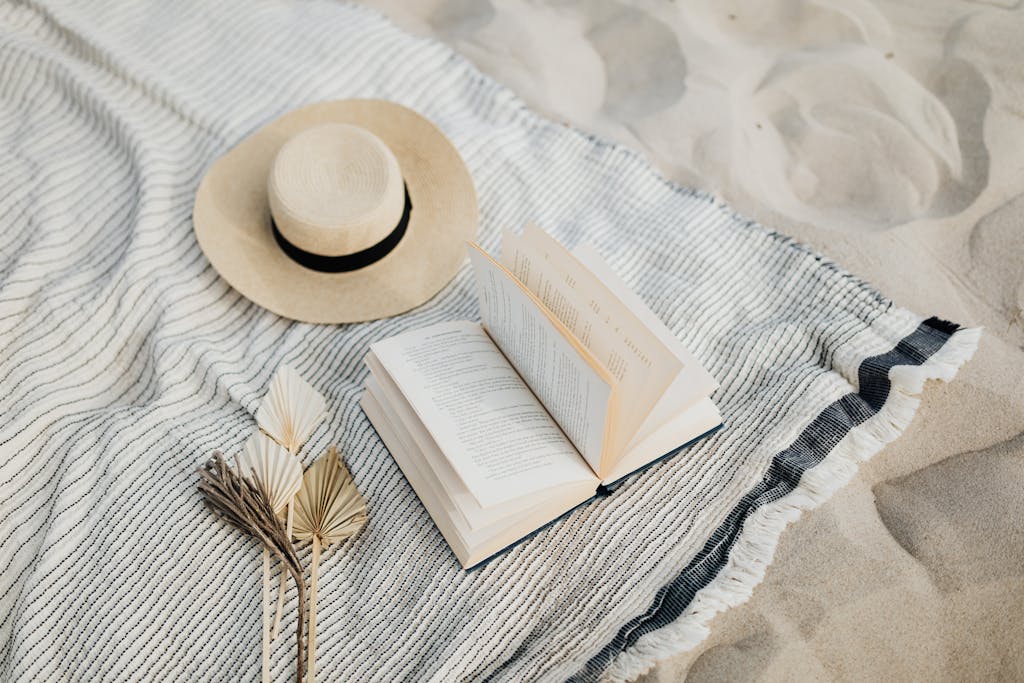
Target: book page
[419,444]
[470,544]
[497,436]
[667,438]
[691,385]
[568,380]
[642,365]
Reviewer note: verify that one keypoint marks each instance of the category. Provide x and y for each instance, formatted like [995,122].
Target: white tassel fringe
[755,548]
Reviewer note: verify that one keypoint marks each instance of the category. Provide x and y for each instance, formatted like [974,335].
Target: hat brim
[231,218]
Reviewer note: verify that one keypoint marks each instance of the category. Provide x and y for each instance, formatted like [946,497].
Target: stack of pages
[569,384]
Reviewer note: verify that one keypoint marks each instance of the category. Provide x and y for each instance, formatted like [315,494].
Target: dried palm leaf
[328,510]
[272,467]
[291,410]
[280,475]
[328,507]
[245,504]
[289,413]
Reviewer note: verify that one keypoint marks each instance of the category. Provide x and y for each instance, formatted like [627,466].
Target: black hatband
[347,262]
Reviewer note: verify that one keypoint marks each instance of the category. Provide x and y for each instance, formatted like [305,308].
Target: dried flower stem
[265,610]
[314,577]
[329,509]
[246,506]
[280,591]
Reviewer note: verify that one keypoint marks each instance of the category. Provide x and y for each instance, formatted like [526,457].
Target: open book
[569,384]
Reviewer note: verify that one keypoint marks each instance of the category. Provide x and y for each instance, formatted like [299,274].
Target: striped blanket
[125,360]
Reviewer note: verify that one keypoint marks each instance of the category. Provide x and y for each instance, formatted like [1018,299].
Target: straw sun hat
[338,212]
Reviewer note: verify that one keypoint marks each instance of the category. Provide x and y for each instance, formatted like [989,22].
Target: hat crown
[335,189]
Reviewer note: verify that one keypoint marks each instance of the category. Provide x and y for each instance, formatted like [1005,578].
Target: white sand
[890,136]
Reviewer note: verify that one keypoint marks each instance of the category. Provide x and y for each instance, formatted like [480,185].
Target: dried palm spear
[328,510]
[244,504]
[273,468]
[291,410]
[279,474]
[289,413]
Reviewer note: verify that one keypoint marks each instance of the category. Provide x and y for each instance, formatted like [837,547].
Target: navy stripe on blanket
[813,444]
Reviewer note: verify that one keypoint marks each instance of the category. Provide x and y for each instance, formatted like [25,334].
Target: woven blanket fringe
[755,548]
